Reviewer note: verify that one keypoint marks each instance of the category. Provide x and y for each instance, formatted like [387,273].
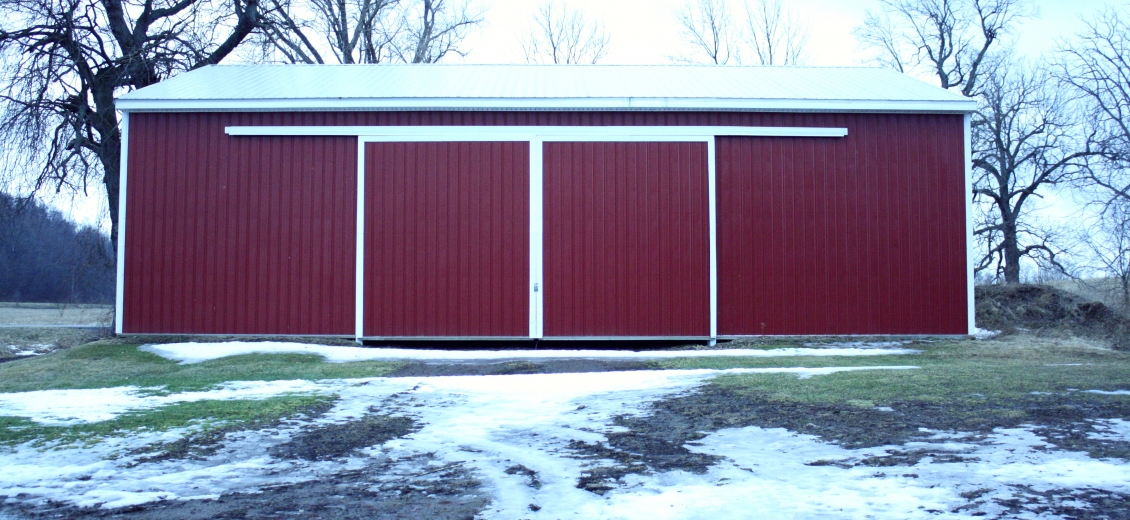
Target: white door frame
[536,136]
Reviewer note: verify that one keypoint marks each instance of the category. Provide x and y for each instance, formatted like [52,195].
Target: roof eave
[960,106]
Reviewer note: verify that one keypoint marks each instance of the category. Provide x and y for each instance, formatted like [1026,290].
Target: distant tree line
[46,258]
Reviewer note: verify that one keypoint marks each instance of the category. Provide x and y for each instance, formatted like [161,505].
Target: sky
[646,32]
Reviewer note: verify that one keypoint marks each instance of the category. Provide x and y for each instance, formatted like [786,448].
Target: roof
[543,87]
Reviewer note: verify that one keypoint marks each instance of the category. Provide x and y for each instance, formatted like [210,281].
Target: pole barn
[556,202]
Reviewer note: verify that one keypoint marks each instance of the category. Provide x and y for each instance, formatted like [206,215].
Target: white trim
[537,244]
[627,338]
[556,104]
[536,137]
[359,290]
[711,176]
[445,338]
[834,336]
[628,137]
[120,292]
[969,243]
[465,136]
[526,133]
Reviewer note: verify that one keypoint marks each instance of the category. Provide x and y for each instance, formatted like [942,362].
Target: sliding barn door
[626,239]
[447,239]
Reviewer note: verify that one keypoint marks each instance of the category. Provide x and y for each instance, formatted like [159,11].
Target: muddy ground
[655,441]
[382,489]
[18,342]
[548,366]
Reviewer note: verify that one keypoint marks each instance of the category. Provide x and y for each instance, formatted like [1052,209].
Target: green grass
[1013,368]
[202,415]
[102,364]
[952,372]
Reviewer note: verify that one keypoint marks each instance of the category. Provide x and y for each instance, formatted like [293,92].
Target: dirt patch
[23,342]
[372,492]
[549,366]
[204,444]
[332,441]
[416,487]
[531,475]
[1045,309]
[1079,504]
[658,440]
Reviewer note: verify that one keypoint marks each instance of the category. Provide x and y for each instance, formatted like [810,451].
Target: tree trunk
[111,164]
[1011,251]
[109,152]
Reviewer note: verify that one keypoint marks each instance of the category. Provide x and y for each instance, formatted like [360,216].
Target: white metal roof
[543,87]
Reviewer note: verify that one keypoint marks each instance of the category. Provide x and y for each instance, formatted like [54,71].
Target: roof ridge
[550,65]
[557,87]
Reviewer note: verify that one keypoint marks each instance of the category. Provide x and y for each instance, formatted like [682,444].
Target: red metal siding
[237,235]
[626,239]
[215,243]
[861,235]
[506,118]
[447,239]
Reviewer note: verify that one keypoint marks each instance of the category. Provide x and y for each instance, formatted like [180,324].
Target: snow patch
[490,423]
[1111,430]
[985,333]
[65,407]
[1106,392]
[36,349]
[189,353]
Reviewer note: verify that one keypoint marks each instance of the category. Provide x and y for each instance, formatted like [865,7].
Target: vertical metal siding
[447,239]
[204,259]
[230,235]
[626,239]
[861,235]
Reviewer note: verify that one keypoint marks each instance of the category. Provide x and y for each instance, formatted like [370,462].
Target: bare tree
[365,31]
[46,258]
[775,35]
[1025,136]
[768,35]
[948,39]
[434,29]
[562,35]
[1108,245]
[65,60]
[1096,67]
[708,27]
[349,30]
[1025,139]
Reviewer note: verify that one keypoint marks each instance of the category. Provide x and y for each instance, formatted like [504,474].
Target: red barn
[555,202]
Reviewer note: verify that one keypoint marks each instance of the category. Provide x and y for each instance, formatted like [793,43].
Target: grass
[1010,368]
[204,416]
[951,372]
[110,364]
[105,364]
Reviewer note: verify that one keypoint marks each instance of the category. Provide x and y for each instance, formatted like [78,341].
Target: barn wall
[238,236]
[862,235]
[627,239]
[256,234]
[447,239]
[515,118]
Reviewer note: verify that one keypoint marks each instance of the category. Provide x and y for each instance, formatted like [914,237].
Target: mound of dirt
[1041,308]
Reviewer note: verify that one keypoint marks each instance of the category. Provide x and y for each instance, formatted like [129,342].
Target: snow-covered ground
[491,423]
[30,350]
[199,352]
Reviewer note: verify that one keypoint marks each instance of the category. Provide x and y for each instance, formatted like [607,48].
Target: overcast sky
[645,32]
